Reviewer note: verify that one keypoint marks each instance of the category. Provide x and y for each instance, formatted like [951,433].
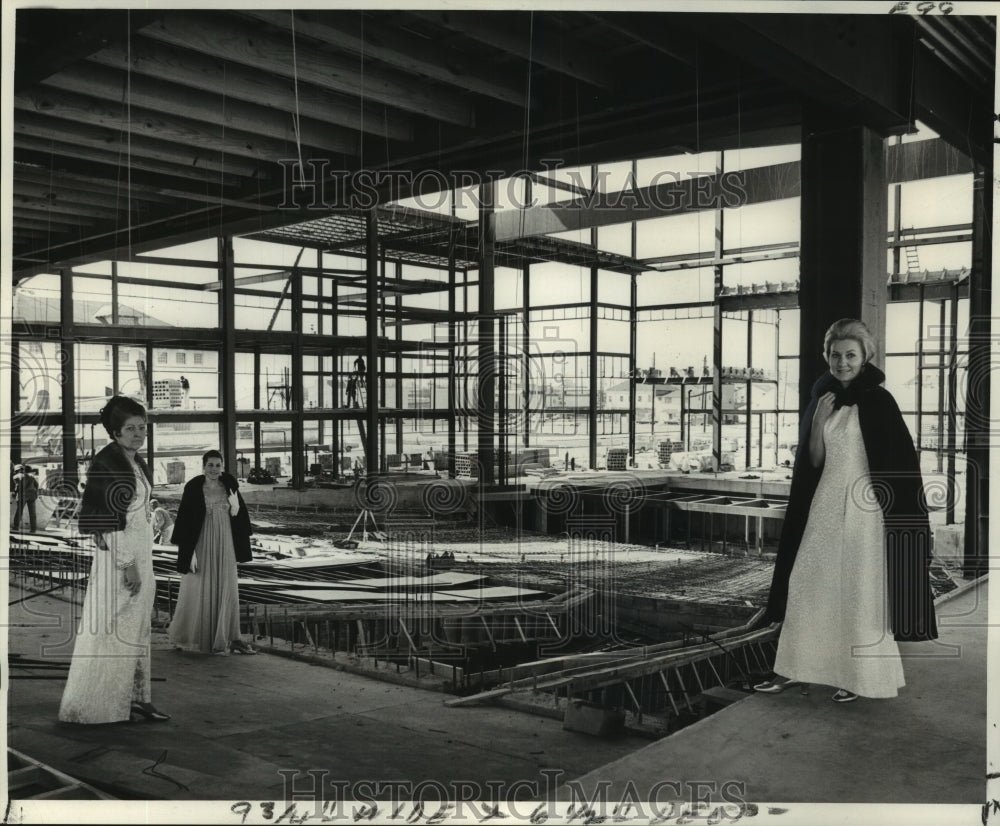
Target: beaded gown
[836,627]
[111,656]
[207,617]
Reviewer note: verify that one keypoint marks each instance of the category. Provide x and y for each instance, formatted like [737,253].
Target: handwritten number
[924,7]
[268,810]
[241,808]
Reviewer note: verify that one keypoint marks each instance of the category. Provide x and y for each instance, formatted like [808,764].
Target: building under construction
[505,320]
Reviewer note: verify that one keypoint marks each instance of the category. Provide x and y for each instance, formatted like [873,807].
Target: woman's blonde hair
[850,328]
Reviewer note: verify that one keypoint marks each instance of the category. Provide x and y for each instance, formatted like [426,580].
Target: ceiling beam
[652,30]
[953,47]
[952,109]
[80,140]
[47,223]
[139,121]
[212,74]
[858,64]
[49,40]
[144,186]
[171,99]
[346,30]
[250,45]
[54,206]
[679,194]
[57,195]
[518,34]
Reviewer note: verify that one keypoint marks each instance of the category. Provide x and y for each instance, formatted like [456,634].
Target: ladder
[912,253]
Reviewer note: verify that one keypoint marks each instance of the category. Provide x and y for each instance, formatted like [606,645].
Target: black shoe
[148,713]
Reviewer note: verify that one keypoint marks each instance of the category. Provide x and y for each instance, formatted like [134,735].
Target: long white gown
[836,627]
[111,656]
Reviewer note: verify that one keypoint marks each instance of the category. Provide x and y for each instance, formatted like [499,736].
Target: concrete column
[843,235]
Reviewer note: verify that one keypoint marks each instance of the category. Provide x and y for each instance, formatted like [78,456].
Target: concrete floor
[926,746]
[239,722]
[242,725]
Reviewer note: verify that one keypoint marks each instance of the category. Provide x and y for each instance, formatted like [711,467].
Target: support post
[227,356]
[67,357]
[844,223]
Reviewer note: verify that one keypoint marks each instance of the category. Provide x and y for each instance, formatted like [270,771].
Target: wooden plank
[347,32]
[670,693]
[211,74]
[406,633]
[489,634]
[240,116]
[91,143]
[680,680]
[563,56]
[188,131]
[252,46]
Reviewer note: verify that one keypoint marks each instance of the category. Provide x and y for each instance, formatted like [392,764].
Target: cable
[151,771]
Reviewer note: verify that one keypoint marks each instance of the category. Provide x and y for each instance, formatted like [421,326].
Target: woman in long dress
[212,532]
[851,578]
[109,678]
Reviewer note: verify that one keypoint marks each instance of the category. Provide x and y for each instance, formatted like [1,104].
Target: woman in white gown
[109,679]
[212,533]
[847,587]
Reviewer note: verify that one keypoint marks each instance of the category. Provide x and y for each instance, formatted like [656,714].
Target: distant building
[167,393]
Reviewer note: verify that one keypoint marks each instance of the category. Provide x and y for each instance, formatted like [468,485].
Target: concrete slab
[926,746]
[238,722]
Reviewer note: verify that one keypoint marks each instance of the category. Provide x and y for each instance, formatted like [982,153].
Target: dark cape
[191,519]
[109,491]
[894,468]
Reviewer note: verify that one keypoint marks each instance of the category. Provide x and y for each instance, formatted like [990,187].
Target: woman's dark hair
[212,454]
[117,411]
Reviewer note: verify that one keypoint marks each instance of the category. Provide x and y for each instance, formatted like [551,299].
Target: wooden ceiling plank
[940,38]
[59,206]
[249,45]
[56,153]
[497,29]
[140,121]
[348,32]
[211,74]
[58,194]
[76,218]
[189,162]
[138,188]
[61,37]
[42,222]
[219,109]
